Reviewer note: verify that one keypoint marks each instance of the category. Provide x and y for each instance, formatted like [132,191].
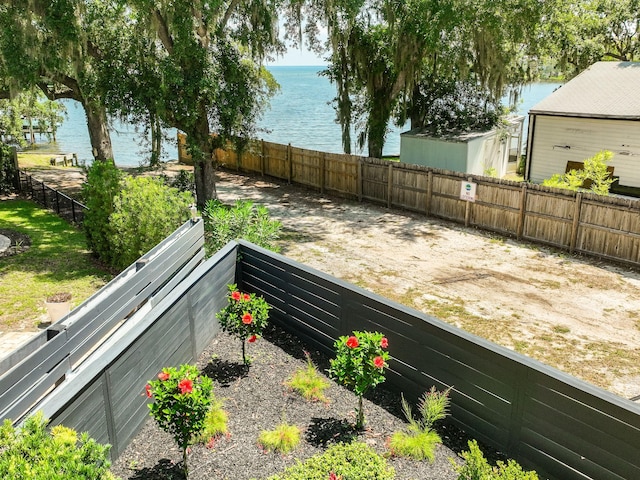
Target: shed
[477,153]
[597,110]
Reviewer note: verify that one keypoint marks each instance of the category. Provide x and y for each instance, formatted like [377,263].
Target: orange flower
[384,343]
[246,297]
[236,296]
[185,386]
[163,376]
[252,339]
[247,318]
[378,362]
[147,389]
[352,342]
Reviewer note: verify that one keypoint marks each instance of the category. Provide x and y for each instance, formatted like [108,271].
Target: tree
[385,54]
[587,31]
[593,176]
[48,44]
[201,62]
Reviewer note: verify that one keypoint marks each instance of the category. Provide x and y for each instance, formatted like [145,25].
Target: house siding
[585,137]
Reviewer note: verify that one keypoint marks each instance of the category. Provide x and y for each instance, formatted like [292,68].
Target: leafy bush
[283,439]
[351,461]
[476,467]
[243,220]
[244,317]
[359,364]
[420,440]
[183,181]
[594,176]
[145,212]
[308,382]
[181,401]
[215,423]
[33,453]
[98,192]
[8,170]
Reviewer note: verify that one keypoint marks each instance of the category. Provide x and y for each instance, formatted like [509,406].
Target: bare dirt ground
[577,314]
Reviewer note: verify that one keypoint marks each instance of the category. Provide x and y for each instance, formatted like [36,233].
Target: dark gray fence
[549,421]
[65,206]
[564,428]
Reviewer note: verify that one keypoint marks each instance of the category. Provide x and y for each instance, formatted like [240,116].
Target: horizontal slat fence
[65,206]
[564,428]
[29,373]
[606,227]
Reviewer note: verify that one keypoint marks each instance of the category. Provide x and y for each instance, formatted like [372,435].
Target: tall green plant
[145,212]
[242,220]
[476,467]
[99,190]
[8,170]
[359,364]
[181,401]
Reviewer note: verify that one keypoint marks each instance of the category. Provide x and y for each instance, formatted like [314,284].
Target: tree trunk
[98,131]
[156,140]
[204,161]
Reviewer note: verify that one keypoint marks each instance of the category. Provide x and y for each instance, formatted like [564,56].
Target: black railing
[63,205]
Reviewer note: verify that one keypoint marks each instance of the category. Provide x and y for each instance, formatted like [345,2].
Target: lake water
[301,114]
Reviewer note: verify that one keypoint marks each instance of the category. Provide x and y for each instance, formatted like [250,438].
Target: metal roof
[604,90]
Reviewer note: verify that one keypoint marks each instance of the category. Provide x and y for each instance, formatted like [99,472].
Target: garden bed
[256,399]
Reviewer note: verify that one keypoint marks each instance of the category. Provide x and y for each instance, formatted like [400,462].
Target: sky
[297,57]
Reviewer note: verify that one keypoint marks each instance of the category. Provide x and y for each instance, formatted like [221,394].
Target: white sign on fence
[468,191]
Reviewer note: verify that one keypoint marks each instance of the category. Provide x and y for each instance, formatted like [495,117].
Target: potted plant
[58,305]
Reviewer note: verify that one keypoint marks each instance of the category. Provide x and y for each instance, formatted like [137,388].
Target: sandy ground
[577,314]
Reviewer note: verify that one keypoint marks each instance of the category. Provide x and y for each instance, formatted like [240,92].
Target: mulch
[256,399]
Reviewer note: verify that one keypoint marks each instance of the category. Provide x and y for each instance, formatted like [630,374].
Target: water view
[301,114]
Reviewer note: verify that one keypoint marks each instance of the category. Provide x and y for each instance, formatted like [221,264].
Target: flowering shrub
[181,400]
[360,364]
[244,317]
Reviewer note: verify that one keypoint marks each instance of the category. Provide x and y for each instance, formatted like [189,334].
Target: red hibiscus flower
[235,296]
[384,343]
[246,297]
[163,376]
[247,318]
[148,390]
[252,339]
[352,342]
[378,362]
[185,386]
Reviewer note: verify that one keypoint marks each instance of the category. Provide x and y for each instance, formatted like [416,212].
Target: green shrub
[215,423]
[593,176]
[34,453]
[8,170]
[419,441]
[308,382]
[244,220]
[282,440]
[351,461]
[184,181]
[476,467]
[145,212]
[98,192]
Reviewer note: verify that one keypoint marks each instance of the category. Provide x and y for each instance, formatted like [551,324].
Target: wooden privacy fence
[607,227]
[65,206]
[564,428]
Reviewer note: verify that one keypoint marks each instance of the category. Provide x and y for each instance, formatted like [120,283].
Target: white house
[597,110]
[477,153]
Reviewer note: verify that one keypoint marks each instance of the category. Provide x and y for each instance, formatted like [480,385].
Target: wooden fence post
[523,208]
[323,164]
[429,192]
[359,180]
[262,157]
[289,164]
[390,186]
[576,222]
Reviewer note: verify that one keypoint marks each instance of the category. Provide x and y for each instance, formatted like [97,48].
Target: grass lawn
[57,261]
